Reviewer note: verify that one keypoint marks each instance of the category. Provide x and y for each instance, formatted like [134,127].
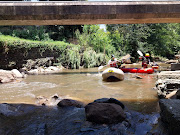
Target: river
[140,99]
[85,85]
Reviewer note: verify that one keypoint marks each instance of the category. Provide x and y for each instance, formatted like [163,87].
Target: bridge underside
[73,13]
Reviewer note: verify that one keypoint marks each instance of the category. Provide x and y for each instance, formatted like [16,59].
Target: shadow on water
[146,107]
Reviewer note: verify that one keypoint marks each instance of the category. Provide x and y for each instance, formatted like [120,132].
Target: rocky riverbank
[168,84]
[71,117]
[13,75]
[168,87]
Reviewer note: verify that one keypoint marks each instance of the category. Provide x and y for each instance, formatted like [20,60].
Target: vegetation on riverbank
[86,46]
[15,51]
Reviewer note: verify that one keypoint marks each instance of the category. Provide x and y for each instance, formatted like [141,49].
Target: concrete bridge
[74,13]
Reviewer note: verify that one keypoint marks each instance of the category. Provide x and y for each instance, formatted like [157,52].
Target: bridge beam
[75,13]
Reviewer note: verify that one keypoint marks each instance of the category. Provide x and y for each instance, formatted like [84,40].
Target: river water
[140,99]
[85,85]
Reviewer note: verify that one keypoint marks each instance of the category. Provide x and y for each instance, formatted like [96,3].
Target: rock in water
[110,100]
[6,76]
[16,73]
[70,102]
[107,113]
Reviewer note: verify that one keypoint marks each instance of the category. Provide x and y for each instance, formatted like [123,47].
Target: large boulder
[104,113]
[110,100]
[6,76]
[16,73]
[15,109]
[167,88]
[171,61]
[169,75]
[70,102]
[170,115]
[175,66]
[126,59]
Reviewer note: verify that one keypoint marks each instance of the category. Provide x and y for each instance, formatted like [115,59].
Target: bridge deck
[73,13]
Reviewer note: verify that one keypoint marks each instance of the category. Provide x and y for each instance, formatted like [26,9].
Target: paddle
[140,53]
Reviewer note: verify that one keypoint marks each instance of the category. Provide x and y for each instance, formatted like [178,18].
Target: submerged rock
[51,101]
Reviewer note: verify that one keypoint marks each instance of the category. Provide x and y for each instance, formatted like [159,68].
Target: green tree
[130,37]
[93,36]
[27,32]
[164,39]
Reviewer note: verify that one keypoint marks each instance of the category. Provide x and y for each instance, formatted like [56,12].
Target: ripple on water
[22,86]
[22,90]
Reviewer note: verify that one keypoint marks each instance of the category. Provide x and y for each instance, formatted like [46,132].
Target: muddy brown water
[85,85]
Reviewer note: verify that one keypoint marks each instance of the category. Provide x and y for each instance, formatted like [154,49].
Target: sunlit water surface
[85,85]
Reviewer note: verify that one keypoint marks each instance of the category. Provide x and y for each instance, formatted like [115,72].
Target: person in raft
[113,62]
[146,60]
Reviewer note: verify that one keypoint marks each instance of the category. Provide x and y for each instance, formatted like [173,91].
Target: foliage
[94,45]
[93,36]
[67,54]
[62,32]
[27,32]
[157,39]
[42,33]
[164,39]
[92,59]
[29,44]
[72,58]
[129,38]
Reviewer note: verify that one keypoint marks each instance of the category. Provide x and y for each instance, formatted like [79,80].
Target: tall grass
[92,59]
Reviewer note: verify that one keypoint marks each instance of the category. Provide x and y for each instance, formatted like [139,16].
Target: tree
[164,39]
[130,37]
[93,36]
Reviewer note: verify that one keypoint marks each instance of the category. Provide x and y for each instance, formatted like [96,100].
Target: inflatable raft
[113,74]
[138,70]
[155,67]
